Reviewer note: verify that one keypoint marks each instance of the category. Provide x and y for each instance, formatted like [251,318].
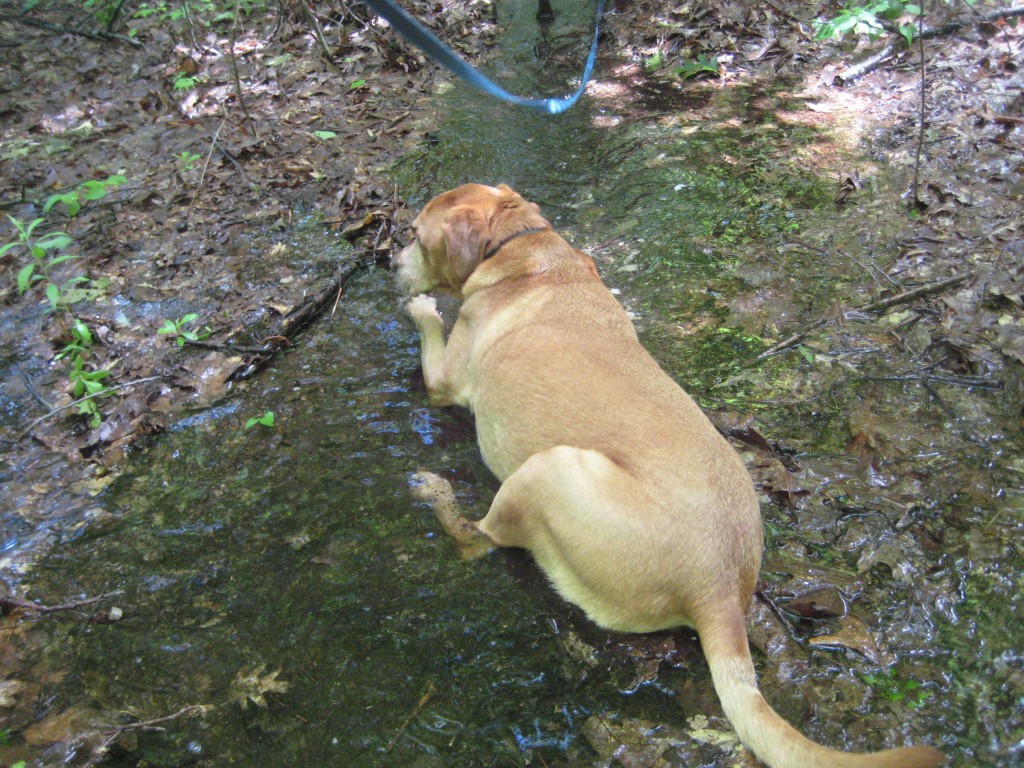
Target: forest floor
[148,154]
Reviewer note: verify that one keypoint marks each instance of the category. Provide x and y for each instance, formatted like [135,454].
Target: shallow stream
[285,579]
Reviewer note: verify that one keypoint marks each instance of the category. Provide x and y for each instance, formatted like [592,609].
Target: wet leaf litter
[888,442]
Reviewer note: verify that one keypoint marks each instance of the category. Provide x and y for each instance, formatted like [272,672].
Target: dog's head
[456,231]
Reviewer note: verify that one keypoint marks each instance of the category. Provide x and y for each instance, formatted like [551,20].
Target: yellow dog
[637,509]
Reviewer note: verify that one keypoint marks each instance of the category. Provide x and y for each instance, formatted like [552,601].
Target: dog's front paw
[422,308]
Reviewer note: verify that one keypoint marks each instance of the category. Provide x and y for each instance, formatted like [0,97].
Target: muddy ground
[196,130]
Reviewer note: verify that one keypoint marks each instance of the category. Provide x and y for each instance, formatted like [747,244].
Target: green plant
[703,63]
[885,685]
[267,420]
[187,160]
[87,384]
[47,252]
[94,189]
[197,9]
[176,329]
[81,340]
[654,61]
[325,135]
[870,19]
[184,82]
[38,248]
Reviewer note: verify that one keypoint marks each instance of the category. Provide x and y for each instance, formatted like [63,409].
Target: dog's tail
[772,739]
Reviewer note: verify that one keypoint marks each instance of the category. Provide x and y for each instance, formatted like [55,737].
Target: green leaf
[267,420]
[325,135]
[808,354]
[25,277]
[188,318]
[168,327]
[62,258]
[53,295]
[81,332]
[357,84]
[67,198]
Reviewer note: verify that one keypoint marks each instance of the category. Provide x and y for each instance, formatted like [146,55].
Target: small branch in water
[304,314]
[28,430]
[976,382]
[9,603]
[100,752]
[32,388]
[874,306]
[412,716]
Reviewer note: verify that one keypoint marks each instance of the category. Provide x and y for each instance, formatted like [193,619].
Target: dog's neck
[502,243]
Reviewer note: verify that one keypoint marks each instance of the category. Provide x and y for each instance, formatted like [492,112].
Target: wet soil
[276,587]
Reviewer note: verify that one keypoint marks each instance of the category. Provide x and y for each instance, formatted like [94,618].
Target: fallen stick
[100,752]
[9,603]
[102,393]
[40,24]
[874,306]
[303,315]
[862,68]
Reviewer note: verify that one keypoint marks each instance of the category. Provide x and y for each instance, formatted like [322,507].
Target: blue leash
[446,57]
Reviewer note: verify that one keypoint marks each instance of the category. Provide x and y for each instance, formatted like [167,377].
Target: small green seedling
[185,83]
[267,420]
[81,340]
[325,135]
[94,189]
[39,268]
[187,161]
[88,384]
[176,329]
[653,62]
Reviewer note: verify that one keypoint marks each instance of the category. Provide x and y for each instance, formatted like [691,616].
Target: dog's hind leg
[470,542]
[596,533]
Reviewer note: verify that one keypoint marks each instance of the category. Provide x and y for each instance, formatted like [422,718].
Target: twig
[939,378]
[862,68]
[412,716]
[304,314]
[874,306]
[953,26]
[100,752]
[918,203]
[202,176]
[234,72]
[9,603]
[113,16]
[317,32]
[32,388]
[64,30]
[103,393]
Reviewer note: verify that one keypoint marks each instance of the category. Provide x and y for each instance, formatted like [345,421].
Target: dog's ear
[465,237]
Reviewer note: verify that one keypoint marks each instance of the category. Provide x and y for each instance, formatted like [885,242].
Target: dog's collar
[531,231]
